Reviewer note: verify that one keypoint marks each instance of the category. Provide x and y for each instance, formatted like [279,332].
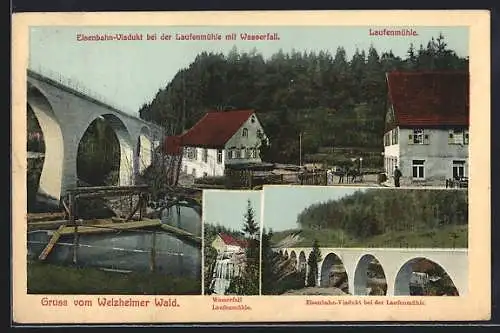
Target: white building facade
[427,126]
[203,158]
[427,154]
[203,162]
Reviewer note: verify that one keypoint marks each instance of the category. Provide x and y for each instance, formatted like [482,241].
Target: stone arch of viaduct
[395,262]
[64,115]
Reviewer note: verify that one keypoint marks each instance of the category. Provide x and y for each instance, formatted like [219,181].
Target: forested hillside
[376,212]
[332,100]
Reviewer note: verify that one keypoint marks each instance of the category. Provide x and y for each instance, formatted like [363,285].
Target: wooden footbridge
[67,223]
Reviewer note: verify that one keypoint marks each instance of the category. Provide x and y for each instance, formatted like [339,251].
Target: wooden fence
[248,179]
[313,178]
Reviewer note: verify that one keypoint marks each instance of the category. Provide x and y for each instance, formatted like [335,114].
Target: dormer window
[245,132]
[252,120]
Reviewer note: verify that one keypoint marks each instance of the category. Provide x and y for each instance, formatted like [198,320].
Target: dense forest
[330,99]
[374,212]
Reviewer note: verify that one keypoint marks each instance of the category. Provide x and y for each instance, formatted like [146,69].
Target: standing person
[397,176]
[341,173]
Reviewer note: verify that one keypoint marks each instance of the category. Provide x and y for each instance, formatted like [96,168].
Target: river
[130,250]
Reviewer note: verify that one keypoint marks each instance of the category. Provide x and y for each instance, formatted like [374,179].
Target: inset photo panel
[231,242]
[364,241]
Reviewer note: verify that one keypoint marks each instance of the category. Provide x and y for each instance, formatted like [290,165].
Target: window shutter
[426,139]
[450,137]
[410,139]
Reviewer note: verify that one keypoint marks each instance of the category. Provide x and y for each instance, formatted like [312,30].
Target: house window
[458,137]
[458,169]
[394,139]
[219,156]
[205,155]
[189,153]
[419,137]
[245,132]
[252,119]
[249,153]
[192,153]
[418,169]
[194,173]
[238,153]
[254,153]
[229,154]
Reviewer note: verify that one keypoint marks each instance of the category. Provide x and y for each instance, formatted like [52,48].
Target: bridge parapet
[75,87]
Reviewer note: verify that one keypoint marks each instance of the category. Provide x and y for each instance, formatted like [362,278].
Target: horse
[340,173]
[352,174]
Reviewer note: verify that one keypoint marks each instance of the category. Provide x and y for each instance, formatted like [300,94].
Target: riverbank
[316,291]
[454,236]
[44,278]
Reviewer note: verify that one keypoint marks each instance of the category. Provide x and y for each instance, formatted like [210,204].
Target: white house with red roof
[228,244]
[219,139]
[427,126]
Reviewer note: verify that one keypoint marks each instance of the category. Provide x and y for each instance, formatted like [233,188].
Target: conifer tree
[312,261]
[248,282]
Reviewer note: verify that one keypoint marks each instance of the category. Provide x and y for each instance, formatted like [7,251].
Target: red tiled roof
[230,240]
[215,128]
[429,98]
[173,145]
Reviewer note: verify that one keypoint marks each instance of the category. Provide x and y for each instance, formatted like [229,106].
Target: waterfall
[227,267]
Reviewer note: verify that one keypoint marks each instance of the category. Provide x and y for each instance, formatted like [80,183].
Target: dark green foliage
[333,101]
[211,231]
[98,159]
[440,237]
[251,228]
[267,276]
[379,211]
[210,257]
[248,282]
[275,278]
[312,262]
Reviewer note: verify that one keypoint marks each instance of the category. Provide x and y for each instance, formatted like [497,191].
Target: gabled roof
[230,240]
[215,128]
[435,98]
[172,145]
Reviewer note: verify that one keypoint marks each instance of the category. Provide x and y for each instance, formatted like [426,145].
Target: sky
[282,204]
[128,74]
[227,207]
